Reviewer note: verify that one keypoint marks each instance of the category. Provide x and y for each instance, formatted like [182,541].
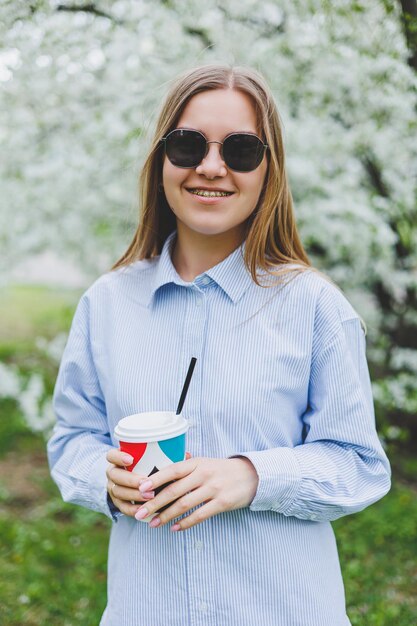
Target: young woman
[282,435]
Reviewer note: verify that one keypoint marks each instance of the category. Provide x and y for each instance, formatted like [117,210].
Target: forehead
[219,112]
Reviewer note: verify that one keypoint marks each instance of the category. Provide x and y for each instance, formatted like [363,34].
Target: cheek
[251,183]
[172,178]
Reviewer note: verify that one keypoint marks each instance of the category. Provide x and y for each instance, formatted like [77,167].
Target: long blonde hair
[272,238]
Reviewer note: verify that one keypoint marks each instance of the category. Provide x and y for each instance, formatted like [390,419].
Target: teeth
[210,194]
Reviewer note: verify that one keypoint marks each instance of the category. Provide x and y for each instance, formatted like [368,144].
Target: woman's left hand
[221,484]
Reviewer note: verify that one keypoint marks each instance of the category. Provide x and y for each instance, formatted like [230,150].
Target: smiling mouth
[210,194]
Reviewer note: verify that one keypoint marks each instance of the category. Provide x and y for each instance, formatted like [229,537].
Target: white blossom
[9,381]
[80,94]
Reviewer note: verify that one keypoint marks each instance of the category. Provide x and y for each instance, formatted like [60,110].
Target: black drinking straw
[186,384]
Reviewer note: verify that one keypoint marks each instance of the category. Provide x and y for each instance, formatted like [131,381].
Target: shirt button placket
[195,323]
[193,343]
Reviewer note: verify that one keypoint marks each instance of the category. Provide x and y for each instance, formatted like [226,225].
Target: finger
[127,494]
[124,478]
[183,505]
[117,457]
[167,474]
[127,508]
[209,509]
[172,492]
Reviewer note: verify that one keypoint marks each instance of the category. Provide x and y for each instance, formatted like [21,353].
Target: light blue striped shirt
[282,379]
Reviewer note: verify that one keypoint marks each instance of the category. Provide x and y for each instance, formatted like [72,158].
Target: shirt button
[203,607]
[199,545]
[205,280]
[199,301]
[313,517]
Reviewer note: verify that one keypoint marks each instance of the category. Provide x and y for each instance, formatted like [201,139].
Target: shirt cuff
[279,476]
[98,489]
[115,512]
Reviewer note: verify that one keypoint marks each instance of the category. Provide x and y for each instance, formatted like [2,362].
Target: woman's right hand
[123,486]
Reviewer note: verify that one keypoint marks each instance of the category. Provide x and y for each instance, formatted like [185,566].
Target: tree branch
[375,176]
[199,32]
[409,21]
[87,8]
[268,29]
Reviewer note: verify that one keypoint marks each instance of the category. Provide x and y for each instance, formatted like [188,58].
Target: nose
[212,165]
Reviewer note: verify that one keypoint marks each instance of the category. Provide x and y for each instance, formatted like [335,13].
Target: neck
[195,253]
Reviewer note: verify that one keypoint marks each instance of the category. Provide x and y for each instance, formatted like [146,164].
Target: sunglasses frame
[186,167]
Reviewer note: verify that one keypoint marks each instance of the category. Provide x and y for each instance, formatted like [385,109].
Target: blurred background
[80,87]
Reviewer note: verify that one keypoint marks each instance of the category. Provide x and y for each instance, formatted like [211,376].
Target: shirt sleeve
[341,467]
[80,441]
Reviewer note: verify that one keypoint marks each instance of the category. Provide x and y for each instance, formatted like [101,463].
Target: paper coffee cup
[154,440]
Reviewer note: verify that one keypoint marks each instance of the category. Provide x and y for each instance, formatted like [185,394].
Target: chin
[209,230]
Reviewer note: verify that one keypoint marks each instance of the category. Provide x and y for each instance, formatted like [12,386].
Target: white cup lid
[152,426]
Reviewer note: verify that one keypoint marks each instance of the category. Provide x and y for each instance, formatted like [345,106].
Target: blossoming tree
[80,84]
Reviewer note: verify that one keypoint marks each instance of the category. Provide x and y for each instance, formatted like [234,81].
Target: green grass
[53,555]
[29,314]
[53,564]
[378,554]
[28,311]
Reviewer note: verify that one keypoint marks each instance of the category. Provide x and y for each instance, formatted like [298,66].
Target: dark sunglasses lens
[243,153]
[185,148]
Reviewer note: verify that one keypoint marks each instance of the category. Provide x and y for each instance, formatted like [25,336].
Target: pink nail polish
[175,527]
[142,513]
[155,522]
[146,486]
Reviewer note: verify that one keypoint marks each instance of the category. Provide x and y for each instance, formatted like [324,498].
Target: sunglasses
[242,152]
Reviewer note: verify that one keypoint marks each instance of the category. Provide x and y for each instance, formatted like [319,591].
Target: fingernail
[175,527]
[145,486]
[148,494]
[142,513]
[155,522]
[127,459]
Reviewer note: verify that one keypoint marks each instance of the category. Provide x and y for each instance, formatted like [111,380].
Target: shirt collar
[230,274]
